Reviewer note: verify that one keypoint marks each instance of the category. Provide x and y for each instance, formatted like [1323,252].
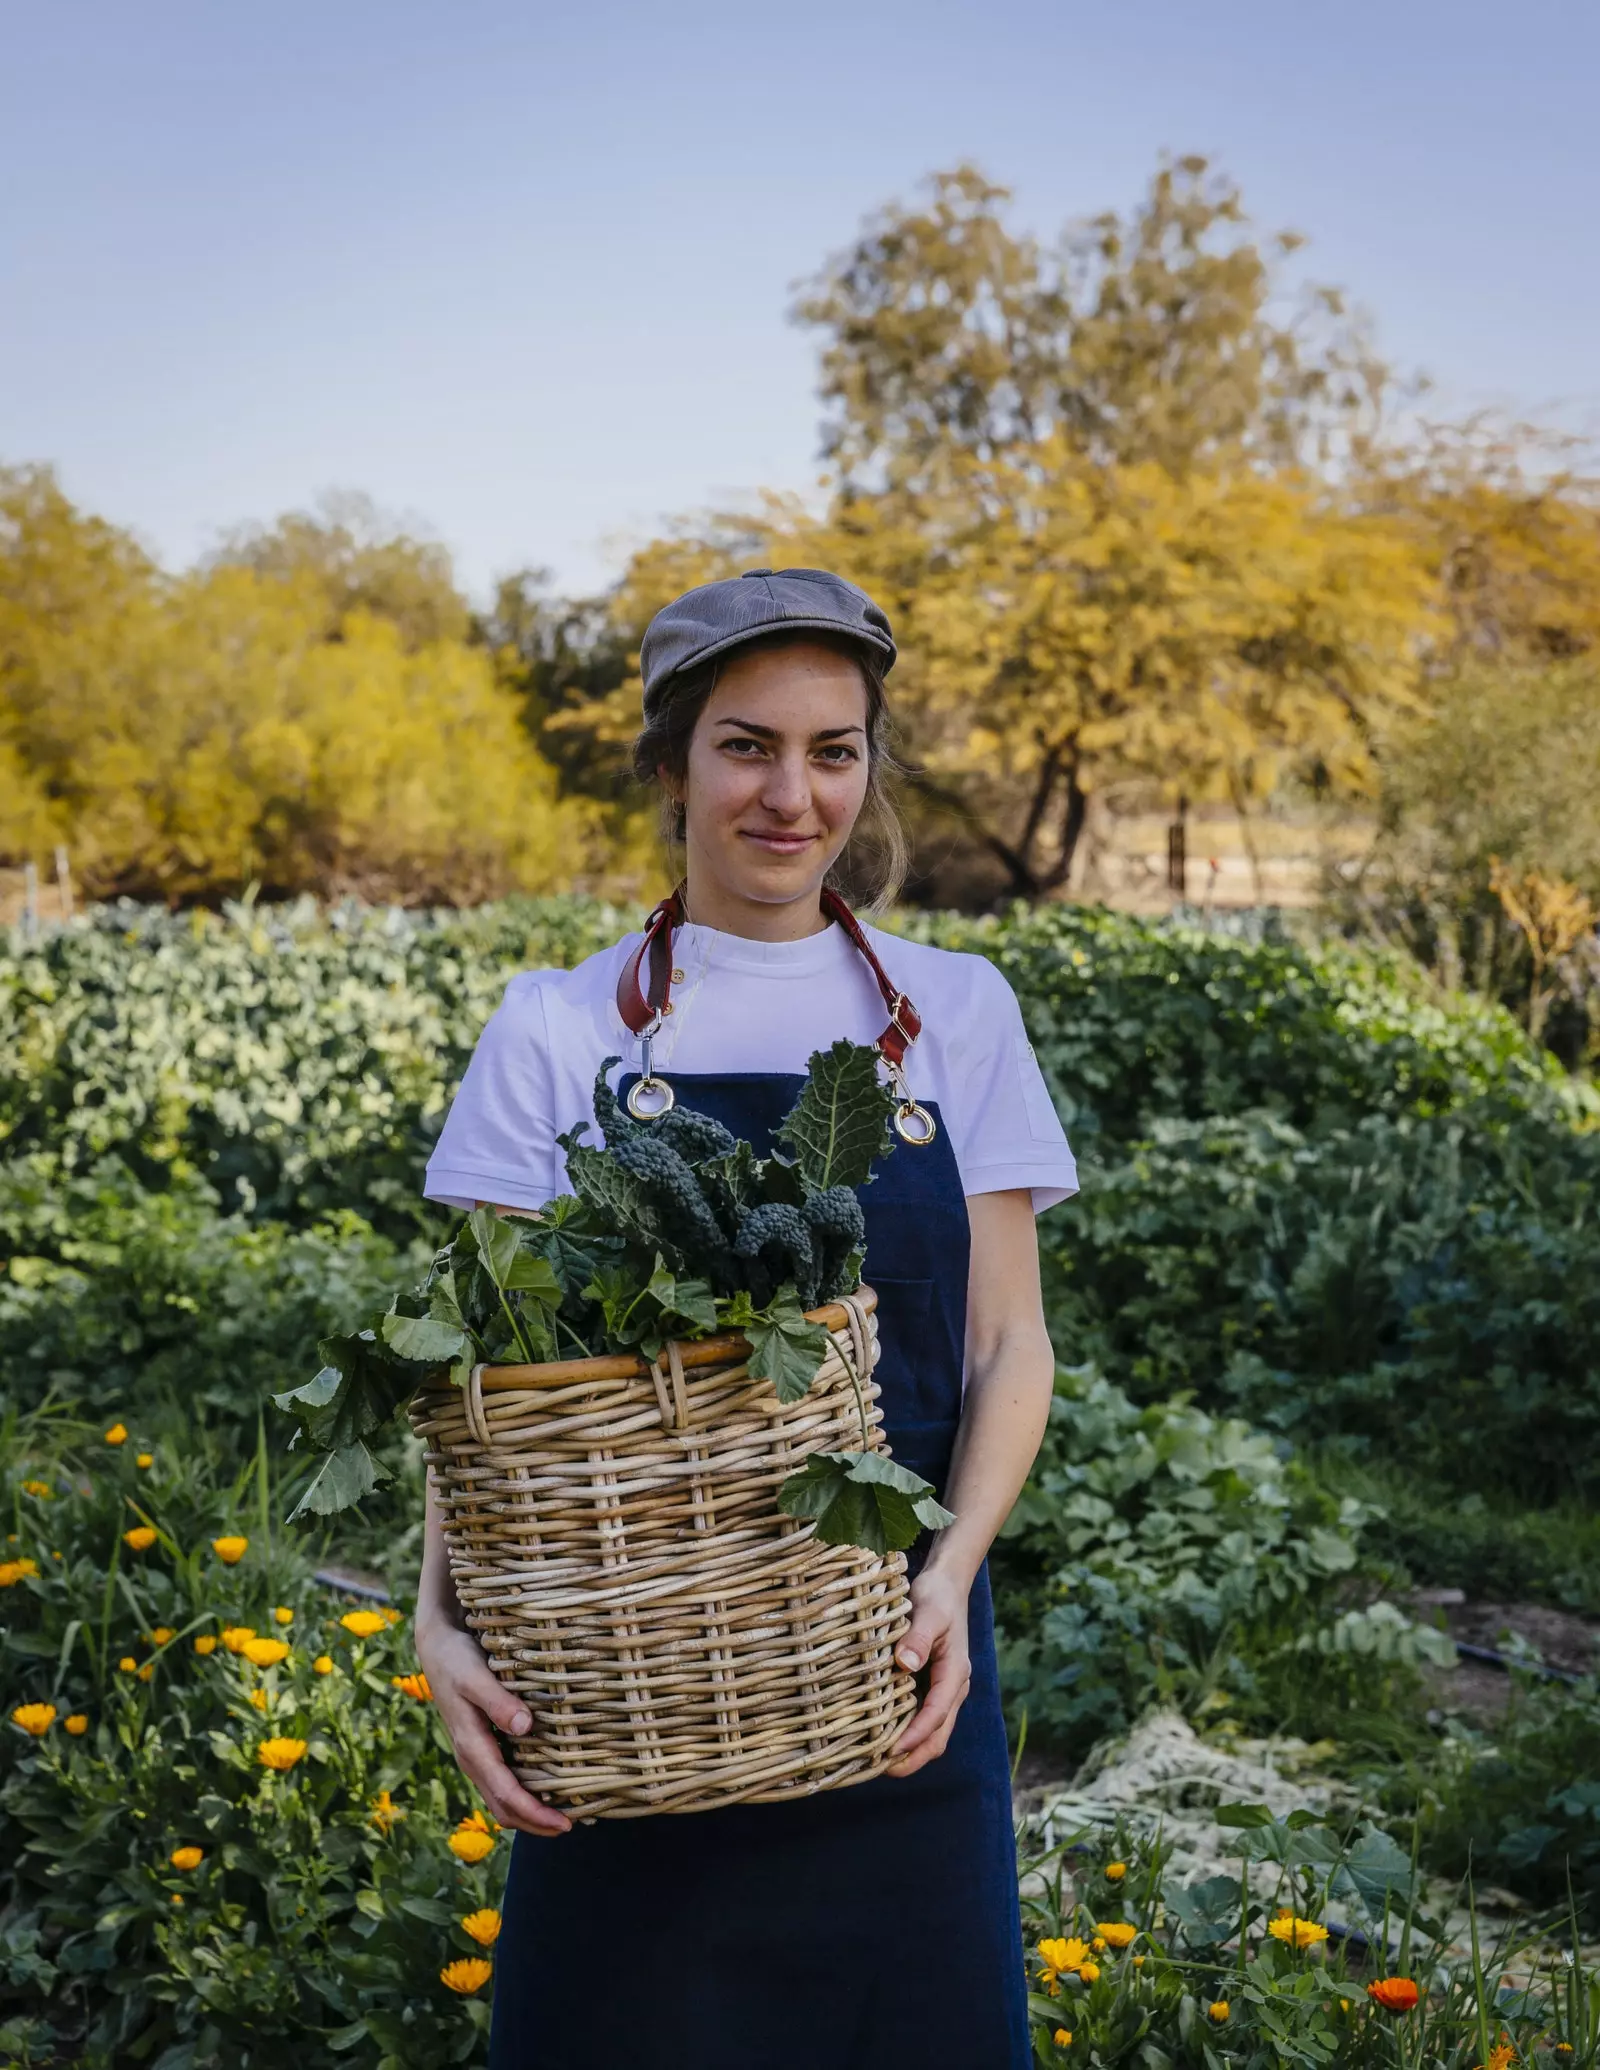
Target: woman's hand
[470,1695]
[938,1635]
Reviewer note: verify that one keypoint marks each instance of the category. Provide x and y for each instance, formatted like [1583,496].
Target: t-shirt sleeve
[1010,1134]
[498,1142]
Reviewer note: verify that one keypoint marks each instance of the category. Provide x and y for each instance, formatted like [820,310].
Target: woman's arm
[470,1696]
[1010,1377]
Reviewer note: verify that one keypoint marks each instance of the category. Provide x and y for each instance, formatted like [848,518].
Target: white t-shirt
[745,1005]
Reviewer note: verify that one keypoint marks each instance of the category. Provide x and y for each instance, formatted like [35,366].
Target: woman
[876,1923]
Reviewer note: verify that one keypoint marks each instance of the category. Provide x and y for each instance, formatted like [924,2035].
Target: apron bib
[854,1929]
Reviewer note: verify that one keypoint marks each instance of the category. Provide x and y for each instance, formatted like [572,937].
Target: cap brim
[884,648]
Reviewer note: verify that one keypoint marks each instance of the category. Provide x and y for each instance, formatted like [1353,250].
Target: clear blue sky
[521,270]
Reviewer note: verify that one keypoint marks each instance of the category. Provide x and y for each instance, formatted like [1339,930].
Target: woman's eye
[838,755]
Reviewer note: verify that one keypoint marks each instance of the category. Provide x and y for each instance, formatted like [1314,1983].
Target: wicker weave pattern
[616,1543]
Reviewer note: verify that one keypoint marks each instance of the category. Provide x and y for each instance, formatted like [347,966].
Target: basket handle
[674,1412]
[472,1402]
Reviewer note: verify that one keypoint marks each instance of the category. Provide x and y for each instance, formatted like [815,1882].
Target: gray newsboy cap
[708,621]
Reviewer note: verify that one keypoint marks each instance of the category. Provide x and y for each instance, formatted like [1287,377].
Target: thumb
[500,1705]
[914,1649]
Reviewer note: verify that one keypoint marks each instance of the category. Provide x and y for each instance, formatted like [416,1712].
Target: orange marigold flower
[265,1653]
[117,1434]
[147,1671]
[414,1685]
[162,1634]
[385,1811]
[140,1538]
[1062,2037]
[42,1489]
[127,1664]
[1116,1933]
[283,1614]
[145,1459]
[259,1698]
[231,1550]
[34,1718]
[1089,1971]
[13,1571]
[323,1664]
[365,1624]
[1502,2056]
[389,1615]
[1396,1994]
[1218,2010]
[187,1857]
[469,1844]
[467,1974]
[235,1636]
[206,1643]
[77,1724]
[483,1925]
[280,1754]
[1115,1871]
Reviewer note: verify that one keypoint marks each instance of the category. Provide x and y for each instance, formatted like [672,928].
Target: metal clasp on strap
[649,1097]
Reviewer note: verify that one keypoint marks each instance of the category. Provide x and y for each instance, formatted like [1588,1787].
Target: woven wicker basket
[616,1543]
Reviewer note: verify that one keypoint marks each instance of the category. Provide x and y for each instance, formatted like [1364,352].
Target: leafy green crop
[674,1229]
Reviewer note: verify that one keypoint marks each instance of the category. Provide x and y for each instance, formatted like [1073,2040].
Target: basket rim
[699,1351]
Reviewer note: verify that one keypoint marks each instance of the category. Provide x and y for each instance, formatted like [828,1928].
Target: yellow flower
[1063,1955]
[484,1926]
[141,1538]
[1117,1933]
[77,1724]
[1218,2010]
[230,1551]
[36,1718]
[283,1614]
[145,1459]
[1099,1944]
[467,1974]
[117,1434]
[1062,2037]
[187,1857]
[162,1634]
[127,1664]
[236,1636]
[385,1811]
[177,1897]
[1115,1871]
[1304,1933]
[323,1664]
[364,1623]
[1089,1971]
[1137,1961]
[265,1653]
[206,1643]
[42,1489]
[259,1698]
[13,1571]
[1501,2057]
[280,1754]
[468,1844]
[414,1685]
[389,1616]
[147,1671]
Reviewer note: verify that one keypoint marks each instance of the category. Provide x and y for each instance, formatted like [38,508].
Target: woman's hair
[872,866]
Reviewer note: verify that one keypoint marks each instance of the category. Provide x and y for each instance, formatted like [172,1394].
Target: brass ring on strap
[913,1124]
[649,1098]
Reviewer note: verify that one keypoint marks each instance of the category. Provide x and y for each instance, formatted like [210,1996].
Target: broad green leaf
[343,1478]
[498,1242]
[531,1274]
[862,1498]
[786,1349]
[420,1337]
[840,1123]
[690,1299]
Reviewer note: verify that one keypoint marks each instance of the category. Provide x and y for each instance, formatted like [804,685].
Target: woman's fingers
[471,1700]
[928,1734]
[478,1752]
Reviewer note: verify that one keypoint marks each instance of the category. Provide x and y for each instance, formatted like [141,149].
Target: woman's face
[777,772]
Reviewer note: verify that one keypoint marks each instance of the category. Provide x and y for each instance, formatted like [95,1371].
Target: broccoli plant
[674,1228]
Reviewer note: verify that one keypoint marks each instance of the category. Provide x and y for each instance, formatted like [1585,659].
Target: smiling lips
[779,843]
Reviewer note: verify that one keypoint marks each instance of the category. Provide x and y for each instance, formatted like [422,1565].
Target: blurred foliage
[302,717]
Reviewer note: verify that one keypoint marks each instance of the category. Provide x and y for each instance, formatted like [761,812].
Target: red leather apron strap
[641,1004]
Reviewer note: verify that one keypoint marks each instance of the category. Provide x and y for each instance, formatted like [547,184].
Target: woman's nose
[788,787]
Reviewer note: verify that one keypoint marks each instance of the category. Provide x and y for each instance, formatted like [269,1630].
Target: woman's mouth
[776,842]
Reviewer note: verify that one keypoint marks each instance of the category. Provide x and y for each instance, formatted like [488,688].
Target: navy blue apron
[857,1928]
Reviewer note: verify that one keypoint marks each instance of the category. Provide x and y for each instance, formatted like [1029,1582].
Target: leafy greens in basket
[675,1229]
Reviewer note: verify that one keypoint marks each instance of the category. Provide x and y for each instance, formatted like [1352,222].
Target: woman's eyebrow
[771,732]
